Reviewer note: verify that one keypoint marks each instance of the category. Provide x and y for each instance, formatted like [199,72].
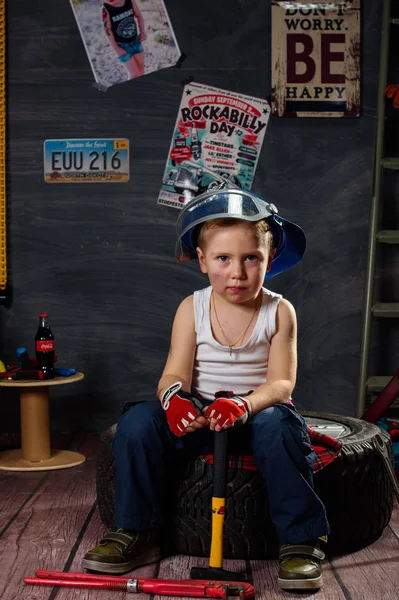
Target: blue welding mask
[289,239]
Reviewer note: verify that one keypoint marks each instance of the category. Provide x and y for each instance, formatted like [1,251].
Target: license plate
[77,161]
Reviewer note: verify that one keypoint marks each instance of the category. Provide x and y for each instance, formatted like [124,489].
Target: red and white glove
[181,408]
[229,411]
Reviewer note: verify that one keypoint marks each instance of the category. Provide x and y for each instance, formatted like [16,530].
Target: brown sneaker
[300,566]
[121,551]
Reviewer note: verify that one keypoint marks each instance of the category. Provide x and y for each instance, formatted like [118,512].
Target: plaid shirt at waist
[325,447]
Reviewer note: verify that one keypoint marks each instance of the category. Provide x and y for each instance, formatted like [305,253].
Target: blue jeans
[145,450]
[131,49]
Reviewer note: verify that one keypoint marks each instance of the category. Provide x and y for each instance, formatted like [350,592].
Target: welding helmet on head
[289,238]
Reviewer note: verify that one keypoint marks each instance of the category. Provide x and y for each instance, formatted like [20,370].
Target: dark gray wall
[99,257]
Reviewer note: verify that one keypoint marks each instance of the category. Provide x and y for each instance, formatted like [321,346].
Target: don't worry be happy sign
[316,59]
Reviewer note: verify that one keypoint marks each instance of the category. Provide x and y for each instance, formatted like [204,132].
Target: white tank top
[246,369]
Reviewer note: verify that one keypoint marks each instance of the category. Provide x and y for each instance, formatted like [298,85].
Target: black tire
[105,476]
[355,489]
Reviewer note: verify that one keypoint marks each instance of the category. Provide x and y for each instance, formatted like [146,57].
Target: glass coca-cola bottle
[44,343]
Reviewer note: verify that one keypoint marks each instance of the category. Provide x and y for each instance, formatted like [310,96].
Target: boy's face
[235,260]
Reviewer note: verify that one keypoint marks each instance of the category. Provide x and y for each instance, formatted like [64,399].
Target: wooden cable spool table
[35,453]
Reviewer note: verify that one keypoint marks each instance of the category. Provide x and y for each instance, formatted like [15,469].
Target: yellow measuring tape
[3,142]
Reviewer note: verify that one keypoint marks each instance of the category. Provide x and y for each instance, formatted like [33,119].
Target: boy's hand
[183,410]
[228,411]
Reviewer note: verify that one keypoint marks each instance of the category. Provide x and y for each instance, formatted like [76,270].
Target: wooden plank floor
[48,520]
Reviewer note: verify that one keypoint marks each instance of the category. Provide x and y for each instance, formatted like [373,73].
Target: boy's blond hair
[260,228]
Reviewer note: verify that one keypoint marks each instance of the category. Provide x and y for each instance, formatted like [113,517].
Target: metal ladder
[374,384]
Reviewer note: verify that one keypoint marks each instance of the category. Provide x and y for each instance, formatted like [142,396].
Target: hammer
[219,486]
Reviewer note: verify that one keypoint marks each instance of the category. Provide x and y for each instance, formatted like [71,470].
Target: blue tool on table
[23,358]
[65,372]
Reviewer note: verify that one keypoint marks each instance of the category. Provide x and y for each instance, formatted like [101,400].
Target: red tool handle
[195,588]
[157,586]
[108,585]
[71,576]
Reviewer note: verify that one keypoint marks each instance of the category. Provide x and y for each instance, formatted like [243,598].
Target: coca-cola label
[45,346]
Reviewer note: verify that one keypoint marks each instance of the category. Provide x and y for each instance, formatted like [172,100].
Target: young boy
[119,19]
[233,335]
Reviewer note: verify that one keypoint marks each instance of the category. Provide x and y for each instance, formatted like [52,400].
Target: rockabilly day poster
[218,136]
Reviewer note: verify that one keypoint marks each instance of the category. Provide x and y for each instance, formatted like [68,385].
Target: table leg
[35,423]
[35,453]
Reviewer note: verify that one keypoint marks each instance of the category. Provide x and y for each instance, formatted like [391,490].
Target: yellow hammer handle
[216,557]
